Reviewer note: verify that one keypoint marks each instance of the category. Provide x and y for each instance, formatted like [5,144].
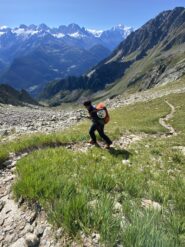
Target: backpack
[102,112]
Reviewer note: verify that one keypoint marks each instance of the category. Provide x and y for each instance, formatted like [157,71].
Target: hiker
[98,124]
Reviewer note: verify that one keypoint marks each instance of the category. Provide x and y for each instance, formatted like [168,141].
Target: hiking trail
[163,120]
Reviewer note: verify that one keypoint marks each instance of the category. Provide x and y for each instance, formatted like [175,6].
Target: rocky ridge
[9,95]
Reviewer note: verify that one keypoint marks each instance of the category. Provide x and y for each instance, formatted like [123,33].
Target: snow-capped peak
[121,27]
[3,27]
[70,33]
[96,33]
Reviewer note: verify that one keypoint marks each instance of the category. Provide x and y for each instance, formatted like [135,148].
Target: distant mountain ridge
[9,95]
[149,56]
[71,34]
[30,56]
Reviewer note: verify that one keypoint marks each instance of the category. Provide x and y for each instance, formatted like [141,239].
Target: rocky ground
[23,225]
[142,96]
[15,121]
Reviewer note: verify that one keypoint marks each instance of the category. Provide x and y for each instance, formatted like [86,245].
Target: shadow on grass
[120,152]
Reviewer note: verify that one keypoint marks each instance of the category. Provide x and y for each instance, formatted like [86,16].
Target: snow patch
[3,27]
[23,32]
[32,88]
[76,35]
[96,33]
[73,66]
[59,35]
[55,70]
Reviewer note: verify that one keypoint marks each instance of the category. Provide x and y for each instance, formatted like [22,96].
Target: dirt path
[163,121]
[24,226]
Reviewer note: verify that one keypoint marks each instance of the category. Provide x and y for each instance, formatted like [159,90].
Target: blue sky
[99,14]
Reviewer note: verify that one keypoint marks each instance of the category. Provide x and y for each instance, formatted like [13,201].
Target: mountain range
[30,56]
[152,55]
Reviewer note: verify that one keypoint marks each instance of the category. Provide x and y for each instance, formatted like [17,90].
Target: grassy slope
[141,68]
[62,181]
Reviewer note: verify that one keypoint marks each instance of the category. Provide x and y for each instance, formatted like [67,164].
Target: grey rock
[28,229]
[96,238]
[31,240]
[7,163]
[59,232]
[3,132]
[20,201]
[53,118]
[1,222]
[21,225]
[39,231]
[2,203]
[8,211]
[19,243]
[118,208]
[31,218]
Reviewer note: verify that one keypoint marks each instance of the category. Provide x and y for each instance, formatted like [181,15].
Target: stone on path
[151,204]
[31,240]
[19,243]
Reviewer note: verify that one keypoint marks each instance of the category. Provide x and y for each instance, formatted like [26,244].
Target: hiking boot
[92,142]
[108,146]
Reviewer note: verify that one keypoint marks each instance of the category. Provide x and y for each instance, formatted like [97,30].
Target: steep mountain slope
[8,95]
[151,55]
[63,51]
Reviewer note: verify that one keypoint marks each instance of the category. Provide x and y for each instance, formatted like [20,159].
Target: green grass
[148,229]
[62,182]
[36,141]
[138,118]
[79,192]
